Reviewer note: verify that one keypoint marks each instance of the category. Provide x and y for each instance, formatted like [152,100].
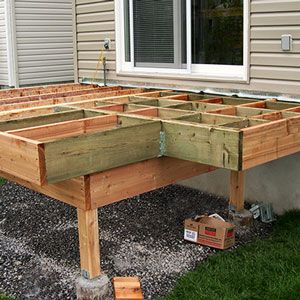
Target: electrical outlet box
[286,42]
[107,44]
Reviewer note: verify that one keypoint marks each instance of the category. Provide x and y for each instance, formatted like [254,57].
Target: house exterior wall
[270,69]
[44,41]
[3,46]
[276,182]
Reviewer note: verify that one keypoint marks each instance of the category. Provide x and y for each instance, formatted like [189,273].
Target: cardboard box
[209,231]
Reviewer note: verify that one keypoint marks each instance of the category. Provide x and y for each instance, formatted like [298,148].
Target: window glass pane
[217,32]
[183,31]
[153,31]
[127,30]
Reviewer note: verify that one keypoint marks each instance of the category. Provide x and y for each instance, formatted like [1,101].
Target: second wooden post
[237,190]
[88,230]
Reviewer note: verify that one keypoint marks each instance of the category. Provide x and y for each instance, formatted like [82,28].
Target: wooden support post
[89,243]
[237,183]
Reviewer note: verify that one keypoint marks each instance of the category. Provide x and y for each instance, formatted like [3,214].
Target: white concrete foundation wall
[277,182]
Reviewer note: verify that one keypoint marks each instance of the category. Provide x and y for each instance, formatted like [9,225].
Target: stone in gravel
[141,236]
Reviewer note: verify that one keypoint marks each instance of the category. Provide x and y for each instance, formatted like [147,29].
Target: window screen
[127,30]
[153,31]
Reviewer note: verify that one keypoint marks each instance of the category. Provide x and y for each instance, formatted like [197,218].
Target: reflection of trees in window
[217,32]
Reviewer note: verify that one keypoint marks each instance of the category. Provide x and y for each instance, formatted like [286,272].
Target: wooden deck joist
[40,90]
[85,135]
[66,99]
[90,146]
[63,94]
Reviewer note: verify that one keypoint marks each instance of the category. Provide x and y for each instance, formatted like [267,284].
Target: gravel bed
[39,252]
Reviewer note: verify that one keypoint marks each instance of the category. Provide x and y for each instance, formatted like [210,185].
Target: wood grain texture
[69,99]
[237,190]
[67,128]
[271,141]
[90,153]
[217,147]
[134,179]
[58,94]
[260,143]
[40,90]
[127,288]
[20,157]
[41,120]
[70,191]
[88,230]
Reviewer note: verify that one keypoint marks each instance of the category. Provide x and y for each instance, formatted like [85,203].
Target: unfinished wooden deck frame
[78,144]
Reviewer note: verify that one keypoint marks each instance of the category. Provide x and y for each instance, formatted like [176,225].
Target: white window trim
[192,71]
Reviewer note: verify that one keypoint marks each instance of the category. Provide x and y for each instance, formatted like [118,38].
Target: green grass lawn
[264,269]
[2,181]
[2,297]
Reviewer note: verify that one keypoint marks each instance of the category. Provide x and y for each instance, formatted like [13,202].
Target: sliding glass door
[204,37]
[217,32]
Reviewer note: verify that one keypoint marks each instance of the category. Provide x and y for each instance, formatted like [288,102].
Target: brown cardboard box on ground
[209,231]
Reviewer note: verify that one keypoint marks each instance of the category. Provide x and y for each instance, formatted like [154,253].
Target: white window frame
[192,71]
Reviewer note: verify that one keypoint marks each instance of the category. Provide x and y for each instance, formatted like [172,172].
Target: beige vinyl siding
[3,46]
[44,34]
[95,22]
[270,70]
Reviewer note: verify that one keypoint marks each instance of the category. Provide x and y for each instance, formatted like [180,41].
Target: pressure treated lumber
[270,141]
[74,192]
[225,132]
[90,153]
[32,112]
[237,190]
[64,94]
[41,120]
[88,231]
[219,147]
[20,157]
[103,188]
[127,181]
[127,288]
[39,90]
[90,149]
[69,99]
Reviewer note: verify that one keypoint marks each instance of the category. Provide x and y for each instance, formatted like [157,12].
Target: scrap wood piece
[127,288]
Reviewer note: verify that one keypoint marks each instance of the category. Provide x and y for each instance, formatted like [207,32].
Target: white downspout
[11,42]
[75,54]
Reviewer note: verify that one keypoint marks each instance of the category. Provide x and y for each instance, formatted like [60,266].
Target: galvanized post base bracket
[241,218]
